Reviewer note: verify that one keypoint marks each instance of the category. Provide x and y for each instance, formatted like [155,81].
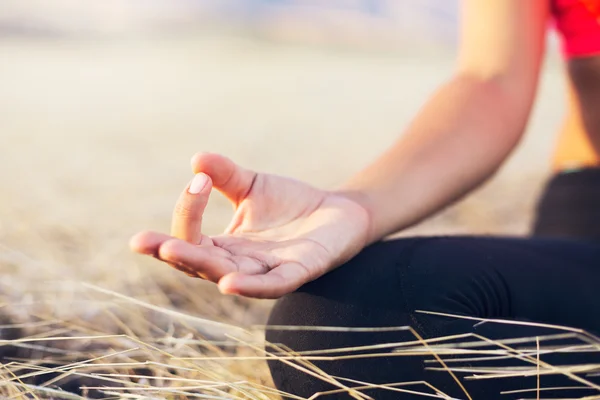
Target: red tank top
[578,22]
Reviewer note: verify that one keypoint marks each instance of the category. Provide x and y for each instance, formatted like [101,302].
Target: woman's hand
[284,233]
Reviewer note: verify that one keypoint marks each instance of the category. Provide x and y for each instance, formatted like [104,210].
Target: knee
[362,292]
[401,276]
[289,333]
[367,291]
[336,300]
[371,280]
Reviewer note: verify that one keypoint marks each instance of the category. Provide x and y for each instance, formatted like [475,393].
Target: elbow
[504,100]
[518,86]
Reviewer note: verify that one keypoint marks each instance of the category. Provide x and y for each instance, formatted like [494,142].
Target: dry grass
[133,356]
[95,140]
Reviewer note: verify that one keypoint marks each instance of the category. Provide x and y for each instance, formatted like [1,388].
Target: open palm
[283,234]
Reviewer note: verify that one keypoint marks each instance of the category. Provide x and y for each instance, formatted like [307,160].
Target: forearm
[459,139]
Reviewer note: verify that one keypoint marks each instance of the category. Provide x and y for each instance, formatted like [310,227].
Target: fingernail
[200,180]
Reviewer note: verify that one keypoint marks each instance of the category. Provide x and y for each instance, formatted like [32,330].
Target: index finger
[208,262]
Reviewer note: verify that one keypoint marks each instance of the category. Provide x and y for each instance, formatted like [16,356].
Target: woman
[321,252]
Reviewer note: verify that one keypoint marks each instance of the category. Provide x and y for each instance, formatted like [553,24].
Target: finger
[208,262]
[187,216]
[148,242]
[229,178]
[279,281]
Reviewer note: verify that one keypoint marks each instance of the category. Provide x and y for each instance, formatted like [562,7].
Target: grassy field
[95,138]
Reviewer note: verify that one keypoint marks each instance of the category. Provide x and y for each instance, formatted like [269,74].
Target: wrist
[362,199]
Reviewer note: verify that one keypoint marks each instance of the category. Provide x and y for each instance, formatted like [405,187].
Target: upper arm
[504,41]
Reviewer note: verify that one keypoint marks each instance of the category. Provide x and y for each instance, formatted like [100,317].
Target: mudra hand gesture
[283,233]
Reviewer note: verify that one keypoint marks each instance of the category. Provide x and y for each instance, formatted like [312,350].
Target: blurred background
[103,103]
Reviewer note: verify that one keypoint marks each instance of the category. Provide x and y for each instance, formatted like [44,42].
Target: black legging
[544,280]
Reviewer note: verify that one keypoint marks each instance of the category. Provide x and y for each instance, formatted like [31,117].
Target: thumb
[187,216]
[229,178]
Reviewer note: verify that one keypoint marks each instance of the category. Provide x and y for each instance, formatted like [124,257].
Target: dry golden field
[95,138]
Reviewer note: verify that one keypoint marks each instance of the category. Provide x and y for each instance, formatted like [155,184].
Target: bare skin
[579,142]
[285,233]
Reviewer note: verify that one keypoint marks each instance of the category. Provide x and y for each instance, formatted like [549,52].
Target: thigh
[547,281]
[551,281]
